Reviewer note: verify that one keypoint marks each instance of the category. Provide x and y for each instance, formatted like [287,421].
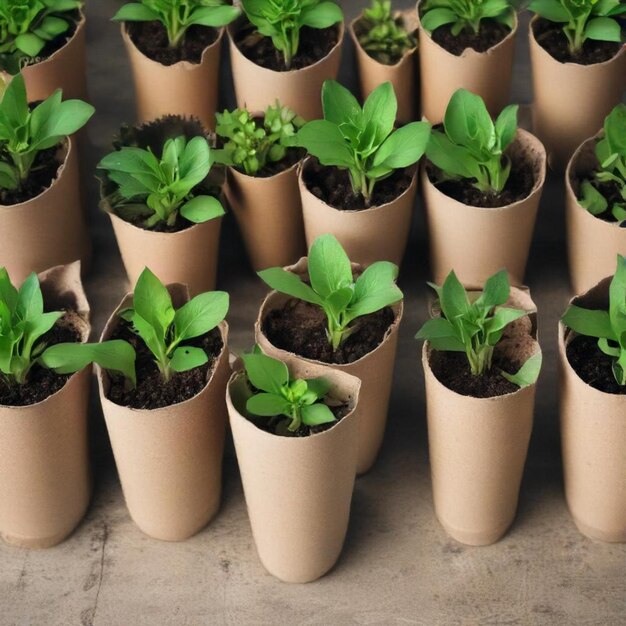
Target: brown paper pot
[487,74]
[45,481]
[48,230]
[298,490]
[375,370]
[188,89]
[169,460]
[269,215]
[572,100]
[257,87]
[379,233]
[477,242]
[593,431]
[593,244]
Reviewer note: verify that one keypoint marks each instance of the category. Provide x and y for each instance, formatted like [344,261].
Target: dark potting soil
[592,365]
[160,227]
[551,38]
[300,327]
[489,34]
[291,158]
[610,190]
[152,392]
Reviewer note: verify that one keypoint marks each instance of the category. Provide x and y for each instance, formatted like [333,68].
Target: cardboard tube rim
[260,179]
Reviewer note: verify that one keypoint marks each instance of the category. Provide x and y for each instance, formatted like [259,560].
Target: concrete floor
[398,565]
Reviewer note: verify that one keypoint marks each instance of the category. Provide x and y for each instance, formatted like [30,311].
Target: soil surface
[592,365]
[489,34]
[160,227]
[300,327]
[152,391]
[610,190]
[291,158]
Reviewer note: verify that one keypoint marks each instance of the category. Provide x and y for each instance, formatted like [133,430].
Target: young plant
[277,394]
[159,188]
[465,15]
[609,327]
[282,20]
[472,146]
[475,325]
[363,140]
[334,289]
[177,16]
[164,329]
[249,144]
[25,133]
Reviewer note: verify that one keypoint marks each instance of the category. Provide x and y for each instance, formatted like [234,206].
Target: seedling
[334,289]
[465,15]
[472,146]
[164,329]
[608,326]
[475,325]
[282,20]
[363,140]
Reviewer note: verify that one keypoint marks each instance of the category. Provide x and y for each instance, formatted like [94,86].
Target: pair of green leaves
[465,15]
[472,146]
[334,289]
[362,139]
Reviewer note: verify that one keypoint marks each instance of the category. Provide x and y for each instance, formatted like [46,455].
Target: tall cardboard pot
[45,482]
[298,490]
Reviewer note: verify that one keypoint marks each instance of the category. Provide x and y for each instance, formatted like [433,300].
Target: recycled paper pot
[298,489]
[593,431]
[572,100]
[169,460]
[45,481]
[47,230]
[257,87]
[593,244]
[184,88]
[487,74]
[379,233]
[476,242]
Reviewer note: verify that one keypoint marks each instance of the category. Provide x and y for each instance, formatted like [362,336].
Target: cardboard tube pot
[378,233]
[298,489]
[169,460]
[571,100]
[375,370]
[45,482]
[257,87]
[476,242]
[593,431]
[487,74]
[47,230]
[593,244]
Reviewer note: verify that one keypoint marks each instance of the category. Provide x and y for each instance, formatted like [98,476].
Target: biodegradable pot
[45,481]
[169,460]
[47,230]
[476,242]
[298,489]
[593,431]
[593,244]
[487,74]
[378,233]
[572,100]
[375,370]
[257,87]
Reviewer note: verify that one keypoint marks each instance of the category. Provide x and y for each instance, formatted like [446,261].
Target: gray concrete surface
[398,566]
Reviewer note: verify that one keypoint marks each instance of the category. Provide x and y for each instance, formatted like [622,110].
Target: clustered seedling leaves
[472,146]
[465,15]
[609,327]
[363,140]
[334,289]
[476,325]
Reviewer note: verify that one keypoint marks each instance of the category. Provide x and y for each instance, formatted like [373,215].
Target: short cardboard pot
[571,100]
[487,74]
[379,233]
[593,431]
[257,87]
[47,230]
[169,460]
[45,482]
[298,489]
[592,243]
[476,242]
[375,370]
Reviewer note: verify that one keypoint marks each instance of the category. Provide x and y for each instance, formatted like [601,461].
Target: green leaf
[319,387]
[591,199]
[528,373]
[69,117]
[433,19]
[467,121]
[152,302]
[268,405]
[339,104]
[552,10]
[8,293]
[30,300]
[290,284]
[53,26]
[496,291]
[321,15]
[506,126]
[195,161]
[15,103]
[316,414]
[186,358]
[215,16]
[135,12]
[375,289]
[266,373]
[437,328]
[324,140]
[329,266]
[201,314]
[30,44]
[202,209]
[403,147]
[603,29]
[453,297]
[588,322]
[450,158]
[380,109]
